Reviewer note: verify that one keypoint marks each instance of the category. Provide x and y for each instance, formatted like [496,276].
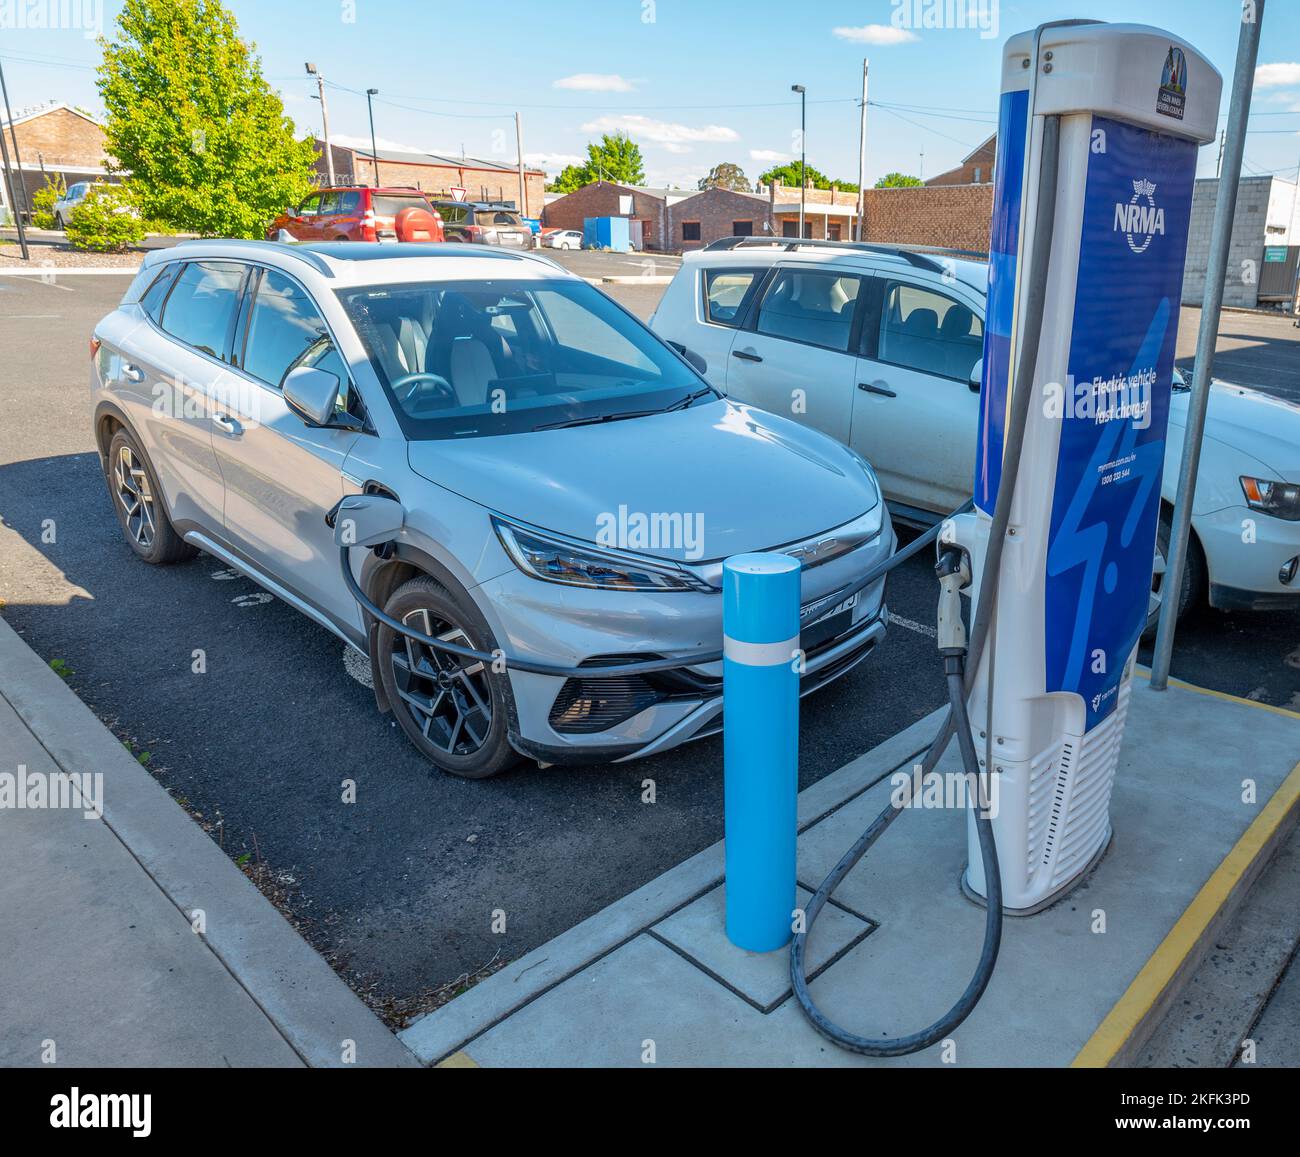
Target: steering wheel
[438,387]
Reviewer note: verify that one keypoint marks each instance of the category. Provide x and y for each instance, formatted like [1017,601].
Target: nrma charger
[1097,142]
[1127,107]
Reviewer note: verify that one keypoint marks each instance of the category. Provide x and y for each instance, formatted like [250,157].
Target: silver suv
[570,483]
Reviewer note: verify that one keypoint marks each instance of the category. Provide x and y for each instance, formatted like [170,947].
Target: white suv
[882,348]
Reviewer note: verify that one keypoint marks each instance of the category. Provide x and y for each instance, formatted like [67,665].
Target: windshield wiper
[686,401]
[680,404]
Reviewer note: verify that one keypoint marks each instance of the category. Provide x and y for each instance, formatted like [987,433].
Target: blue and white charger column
[760,740]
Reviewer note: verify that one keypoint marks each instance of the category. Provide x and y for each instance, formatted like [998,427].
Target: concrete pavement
[126,936]
[653,979]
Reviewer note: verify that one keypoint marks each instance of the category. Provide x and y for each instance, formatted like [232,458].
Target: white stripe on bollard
[760,654]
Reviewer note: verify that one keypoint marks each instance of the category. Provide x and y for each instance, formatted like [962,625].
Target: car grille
[584,706]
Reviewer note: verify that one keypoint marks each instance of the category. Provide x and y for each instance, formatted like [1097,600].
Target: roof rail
[791,244]
[315,260]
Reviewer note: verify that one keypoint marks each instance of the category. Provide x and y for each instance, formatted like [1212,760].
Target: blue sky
[694,81]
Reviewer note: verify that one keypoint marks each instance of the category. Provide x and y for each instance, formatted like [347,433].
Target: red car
[359,213]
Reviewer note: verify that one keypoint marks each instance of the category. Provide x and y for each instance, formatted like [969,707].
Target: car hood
[747,479]
[1266,428]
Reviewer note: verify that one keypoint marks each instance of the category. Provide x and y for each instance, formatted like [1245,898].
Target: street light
[374,152]
[803,150]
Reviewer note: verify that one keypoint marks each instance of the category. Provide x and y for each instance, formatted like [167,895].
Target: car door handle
[132,373]
[746,355]
[227,425]
[877,388]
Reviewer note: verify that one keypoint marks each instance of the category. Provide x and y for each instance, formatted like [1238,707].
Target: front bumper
[573,625]
[1246,552]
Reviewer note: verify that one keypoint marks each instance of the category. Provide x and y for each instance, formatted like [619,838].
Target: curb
[442,1034]
[296,990]
[70,271]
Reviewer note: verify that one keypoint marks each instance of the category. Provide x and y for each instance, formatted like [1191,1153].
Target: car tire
[137,501]
[58,221]
[1194,573]
[455,712]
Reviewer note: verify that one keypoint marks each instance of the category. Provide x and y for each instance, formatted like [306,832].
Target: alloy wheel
[1157,581]
[447,697]
[136,496]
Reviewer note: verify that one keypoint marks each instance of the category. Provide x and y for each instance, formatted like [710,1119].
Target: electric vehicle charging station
[1128,107]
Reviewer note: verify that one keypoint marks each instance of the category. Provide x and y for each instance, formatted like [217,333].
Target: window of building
[690,230]
[742,228]
[833,231]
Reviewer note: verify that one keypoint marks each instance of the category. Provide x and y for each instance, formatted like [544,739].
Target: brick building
[707,216]
[433,173]
[650,207]
[55,141]
[976,167]
[948,216]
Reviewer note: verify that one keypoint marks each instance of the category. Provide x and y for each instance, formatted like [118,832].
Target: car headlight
[1280,499]
[556,559]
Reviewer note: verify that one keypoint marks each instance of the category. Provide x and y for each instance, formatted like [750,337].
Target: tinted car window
[476,358]
[726,292]
[389,205]
[284,327]
[349,202]
[812,306]
[156,294]
[201,306]
[930,332]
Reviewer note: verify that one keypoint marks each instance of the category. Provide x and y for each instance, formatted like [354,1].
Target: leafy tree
[726,176]
[790,174]
[192,118]
[105,221]
[615,158]
[898,181]
[43,201]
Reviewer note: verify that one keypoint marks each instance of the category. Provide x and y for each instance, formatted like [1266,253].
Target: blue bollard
[760,743]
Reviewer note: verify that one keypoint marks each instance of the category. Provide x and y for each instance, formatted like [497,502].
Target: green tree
[192,118]
[726,176]
[616,157]
[898,181]
[43,201]
[790,175]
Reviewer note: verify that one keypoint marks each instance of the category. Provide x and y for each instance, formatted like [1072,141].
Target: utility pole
[1216,272]
[523,184]
[371,93]
[13,135]
[803,150]
[9,184]
[862,159]
[325,120]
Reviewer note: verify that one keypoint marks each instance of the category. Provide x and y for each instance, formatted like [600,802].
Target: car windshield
[478,358]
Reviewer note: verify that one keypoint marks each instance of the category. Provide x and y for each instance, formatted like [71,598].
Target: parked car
[883,347]
[72,197]
[351,213]
[563,239]
[479,223]
[571,484]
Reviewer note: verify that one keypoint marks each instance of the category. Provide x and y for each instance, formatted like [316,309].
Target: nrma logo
[1140,220]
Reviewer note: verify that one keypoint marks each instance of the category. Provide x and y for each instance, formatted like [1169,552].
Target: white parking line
[912,625]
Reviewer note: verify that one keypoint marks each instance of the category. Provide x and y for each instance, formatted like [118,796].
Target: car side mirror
[312,394]
[366,520]
[976,379]
[700,365]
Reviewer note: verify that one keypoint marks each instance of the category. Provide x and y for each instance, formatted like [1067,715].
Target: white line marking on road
[358,666]
[31,316]
[912,625]
[252,600]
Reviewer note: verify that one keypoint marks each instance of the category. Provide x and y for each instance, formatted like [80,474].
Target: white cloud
[595,82]
[675,138]
[879,34]
[552,162]
[1269,75]
[767,155]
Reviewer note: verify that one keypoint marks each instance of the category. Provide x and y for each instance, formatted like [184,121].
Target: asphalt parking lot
[400,888]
